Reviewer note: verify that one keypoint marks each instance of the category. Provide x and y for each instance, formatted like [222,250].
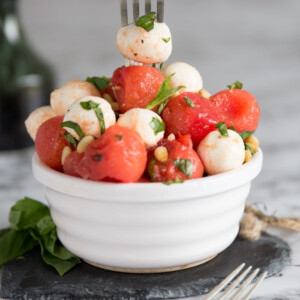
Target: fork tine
[136,10]
[124,15]
[160,11]
[235,283]
[147,6]
[258,282]
[220,286]
[245,284]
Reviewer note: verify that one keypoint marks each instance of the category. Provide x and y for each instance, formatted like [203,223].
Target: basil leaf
[232,128]
[14,243]
[235,85]
[119,137]
[73,125]
[247,147]
[164,92]
[188,101]
[101,83]
[99,114]
[88,105]
[162,106]
[146,21]
[246,134]
[161,66]
[153,65]
[71,140]
[151,169]
[222,128]
[167,39]
[177,180]
[185,166]
[157,125]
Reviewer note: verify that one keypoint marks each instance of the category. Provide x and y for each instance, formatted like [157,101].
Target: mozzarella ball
[185,74]
[146,123]
[37,118]
[87,118]
[147,47]
[61,99]
[220,153]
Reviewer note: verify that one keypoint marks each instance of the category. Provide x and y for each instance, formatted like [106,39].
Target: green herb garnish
[31,225]
[164,92]
[99,114]
[119,137]
[247,147]
[235,85]
[101,83]
[188,101]
[162,106]
[151,169]
[184,165]
[167,39]
[177,180]
[161,66]
[71,140]
[88,105]
[245,134]
[73,125]
[157,125]
[154,65]
[222,128]
[146,21]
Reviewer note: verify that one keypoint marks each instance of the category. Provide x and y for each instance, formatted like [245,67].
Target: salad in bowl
[146,171]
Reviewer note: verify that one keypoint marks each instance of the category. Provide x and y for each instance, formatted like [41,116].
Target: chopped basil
[164,92]
[154,65]
[73,125]
[162,106]
[184,165]
[151,169]
[71,140]
[146,21]
[97,157]
[157,125]
[235,85]
[245,134]
[89,105]
[99,114]
[188,101]
[231,128]
[222,128]
[167,39]
[247,147]
[119,137]
[161,66]
[177,180]
[101,83]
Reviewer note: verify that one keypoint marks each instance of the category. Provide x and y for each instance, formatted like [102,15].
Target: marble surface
[256,42]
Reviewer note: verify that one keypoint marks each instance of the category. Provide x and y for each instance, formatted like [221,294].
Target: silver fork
[217,291]
[136,14]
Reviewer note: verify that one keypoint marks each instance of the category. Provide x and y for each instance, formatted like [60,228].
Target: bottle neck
[9,21]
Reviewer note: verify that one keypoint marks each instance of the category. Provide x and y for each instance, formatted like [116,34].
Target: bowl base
[149,271]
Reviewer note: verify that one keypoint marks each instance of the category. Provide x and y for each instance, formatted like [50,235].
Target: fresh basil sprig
[177,180]
[146,21]
[245,134]
[89,104]
[162,106]
[166,40]
[151,169]
[221,126]
[73,125]
[185,166]
[31,225]
[157,125]
[188,101]
[71,140]
[164,92]
[101,83]
[235,85]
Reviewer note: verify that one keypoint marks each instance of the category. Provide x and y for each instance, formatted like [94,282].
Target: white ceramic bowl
[147,227]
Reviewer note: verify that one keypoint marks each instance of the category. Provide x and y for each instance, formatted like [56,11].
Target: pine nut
[253,143]
[248,155]
[107,97]
[171,137]
[66,151]
[161,154]
[84,143]
[204,93]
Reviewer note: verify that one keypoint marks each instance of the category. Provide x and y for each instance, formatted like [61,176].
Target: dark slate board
[32,279]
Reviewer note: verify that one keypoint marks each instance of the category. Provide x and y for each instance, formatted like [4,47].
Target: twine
[255,221]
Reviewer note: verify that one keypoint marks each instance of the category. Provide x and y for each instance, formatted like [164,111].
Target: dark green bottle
[25,80]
